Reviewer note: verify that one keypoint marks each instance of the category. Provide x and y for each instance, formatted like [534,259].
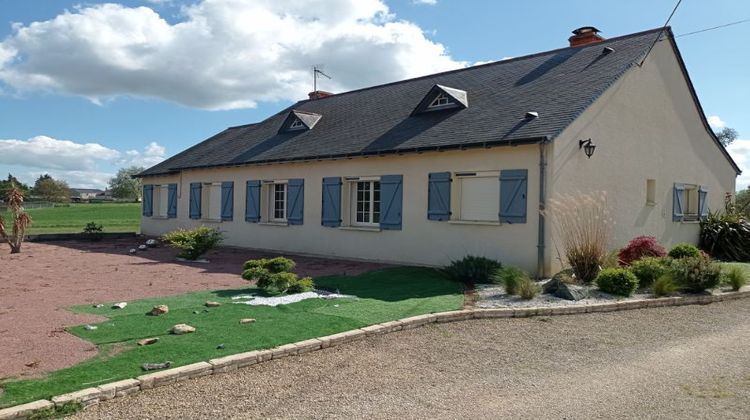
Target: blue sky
[86,87]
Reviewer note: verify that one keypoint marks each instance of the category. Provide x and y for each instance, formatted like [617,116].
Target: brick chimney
[584,36]
[319,94]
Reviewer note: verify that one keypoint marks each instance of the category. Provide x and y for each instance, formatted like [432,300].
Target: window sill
[160,217]
[273,223]
[361,228]
[211,220]
[474,222]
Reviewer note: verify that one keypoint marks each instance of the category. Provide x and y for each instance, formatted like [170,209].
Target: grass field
[380,296]
[115,217]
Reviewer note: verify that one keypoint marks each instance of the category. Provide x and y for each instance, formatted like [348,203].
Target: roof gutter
[487,144]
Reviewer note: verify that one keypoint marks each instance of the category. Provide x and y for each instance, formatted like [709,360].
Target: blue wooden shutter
[331,214]
[439,196]
[702,202]
[513,189]
[227,200]
[172,201]
[391,201]
[195,200]
[252,202]
[295,201]
[148,200]
[678,201]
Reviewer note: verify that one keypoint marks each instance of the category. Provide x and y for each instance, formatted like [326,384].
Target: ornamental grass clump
[19,218]
[639,247]
[583,225]
[735,278]
[510,277]
[192,243]
[528,288]
[664,286]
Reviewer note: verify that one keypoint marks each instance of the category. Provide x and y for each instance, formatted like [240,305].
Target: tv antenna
[316,73]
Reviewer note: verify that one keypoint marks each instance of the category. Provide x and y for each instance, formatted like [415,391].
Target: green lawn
[381,296]
[114,217]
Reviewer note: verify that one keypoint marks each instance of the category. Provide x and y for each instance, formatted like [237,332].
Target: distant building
[84,194]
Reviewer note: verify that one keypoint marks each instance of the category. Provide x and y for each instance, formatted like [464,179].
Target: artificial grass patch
[381,296]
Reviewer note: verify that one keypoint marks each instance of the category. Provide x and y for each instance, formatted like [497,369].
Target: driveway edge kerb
[91,396]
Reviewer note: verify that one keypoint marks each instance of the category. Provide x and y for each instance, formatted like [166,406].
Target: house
[84,194]
[430,169]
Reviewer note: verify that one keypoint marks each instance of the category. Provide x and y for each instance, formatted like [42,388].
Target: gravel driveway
[683,362]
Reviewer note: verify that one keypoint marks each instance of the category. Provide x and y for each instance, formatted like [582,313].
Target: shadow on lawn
[227,260]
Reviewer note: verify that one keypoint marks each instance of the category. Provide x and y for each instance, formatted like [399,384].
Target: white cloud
[80,164]
[715,122]
[740,151]
[427,2]
[223,54]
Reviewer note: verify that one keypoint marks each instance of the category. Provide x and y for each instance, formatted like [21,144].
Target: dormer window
[299,121]
[296,125]
[441,98]
[440,101]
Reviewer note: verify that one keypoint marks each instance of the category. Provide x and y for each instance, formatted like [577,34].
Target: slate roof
[558,84]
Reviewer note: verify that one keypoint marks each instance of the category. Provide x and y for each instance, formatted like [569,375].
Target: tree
[51,189]
[6,185]
[742,202]
[726,136]
[123,185]
[21,220]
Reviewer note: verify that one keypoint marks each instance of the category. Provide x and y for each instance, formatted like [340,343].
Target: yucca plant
[20,221]
[726,235]
[584,226]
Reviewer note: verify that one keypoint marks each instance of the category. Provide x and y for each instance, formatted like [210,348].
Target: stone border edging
[91,396]
[78,236]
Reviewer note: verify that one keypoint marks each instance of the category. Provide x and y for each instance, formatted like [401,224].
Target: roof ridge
[494,63]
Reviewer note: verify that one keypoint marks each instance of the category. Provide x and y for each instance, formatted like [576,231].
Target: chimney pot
[585,35]
[319,94]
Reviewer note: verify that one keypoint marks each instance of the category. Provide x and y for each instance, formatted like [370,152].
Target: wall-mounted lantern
[587,146]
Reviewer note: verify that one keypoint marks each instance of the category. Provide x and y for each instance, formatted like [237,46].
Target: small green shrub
[93,231]
[648,269]
[509,277]
[695,274]
[735,278]
[193,243]
[664,285]
[472,269]
[303,284]
[617,281]
[528,288]
[684,251]
[288,283]
[273,265]
[260,275]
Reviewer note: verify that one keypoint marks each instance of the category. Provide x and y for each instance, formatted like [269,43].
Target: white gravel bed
[494,296]
[286,299]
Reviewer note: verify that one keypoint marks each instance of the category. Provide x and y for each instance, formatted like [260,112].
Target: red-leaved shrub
[639,247]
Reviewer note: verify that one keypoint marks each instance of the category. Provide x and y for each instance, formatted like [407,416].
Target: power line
[660,33]
[713,27]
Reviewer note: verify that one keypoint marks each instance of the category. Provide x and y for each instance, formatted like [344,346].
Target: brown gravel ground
[38,285]
[667,363]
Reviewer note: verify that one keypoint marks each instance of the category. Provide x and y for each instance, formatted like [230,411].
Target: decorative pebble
[196,312]
[247,320]
[132,251]
[142,247]
[220,347]
[212,304]
[89,327]
[148,341]
[98,305]
[159,310]
[120,305]
[181,329]
[151,243]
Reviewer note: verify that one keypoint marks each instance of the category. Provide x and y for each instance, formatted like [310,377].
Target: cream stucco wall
[645,127]
[420,241]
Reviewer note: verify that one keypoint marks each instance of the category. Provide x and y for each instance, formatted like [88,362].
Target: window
[367,203]
[211,201]
[278,202]
[476,196]
[441,100]
[296,125]
[162,202]
[692,211]
[651,192]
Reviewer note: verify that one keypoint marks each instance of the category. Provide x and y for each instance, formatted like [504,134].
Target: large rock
[571,292]
[120,305]
[159,310]
[148,341]
[181,329]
